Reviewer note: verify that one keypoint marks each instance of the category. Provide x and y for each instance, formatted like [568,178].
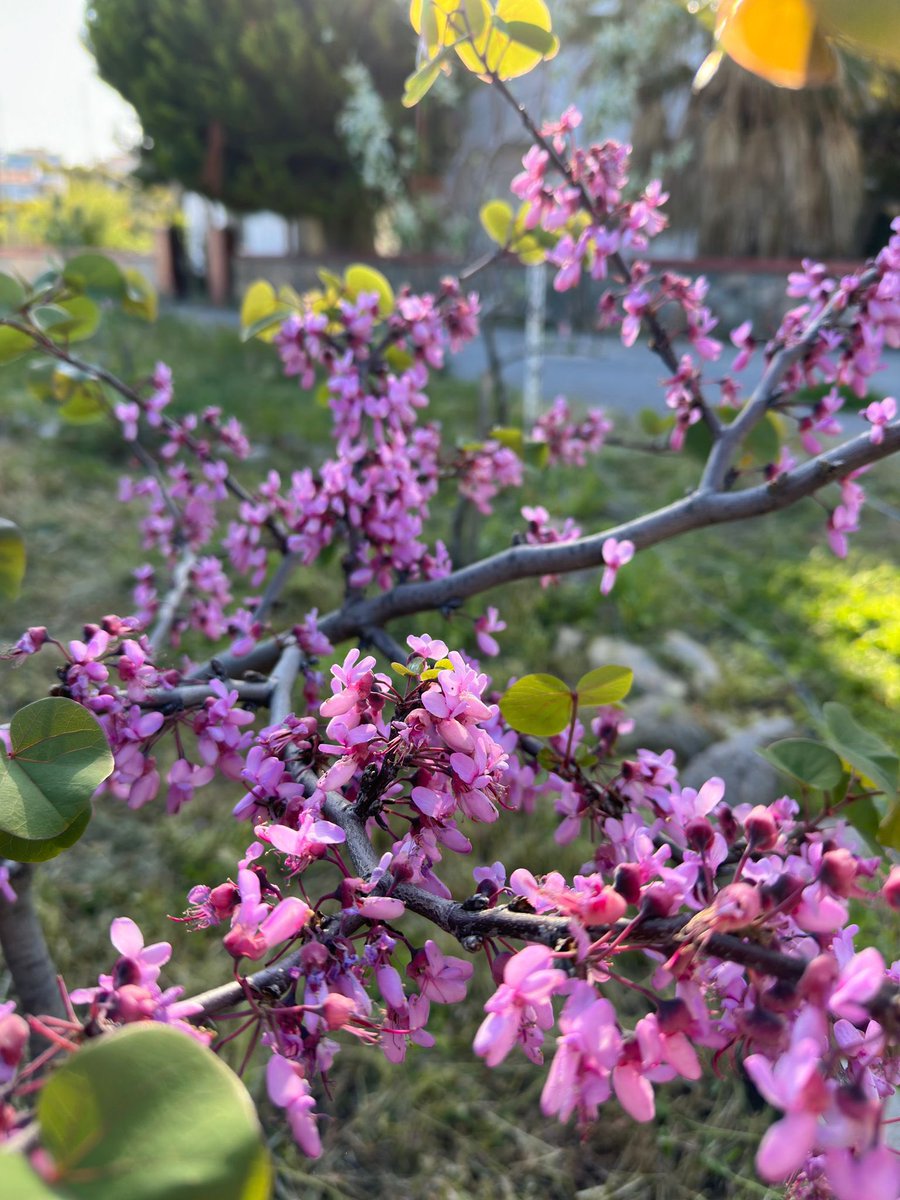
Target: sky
[50,95]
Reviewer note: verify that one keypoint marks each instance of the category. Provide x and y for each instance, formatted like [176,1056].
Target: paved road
[599,370]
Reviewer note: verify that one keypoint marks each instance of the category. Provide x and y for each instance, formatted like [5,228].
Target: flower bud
[224,899]
[498,966]
[674,1016]
[700,834]
[761,829]
[728,825]
[818,979]
[338,1010]
[839,871]
[781,997]
[13,1036]
[627,882]
[891,889]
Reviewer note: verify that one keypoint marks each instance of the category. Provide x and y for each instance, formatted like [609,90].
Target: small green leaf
[19,1182]
[59,758]
[13,343]
[865,752]
[146,1113]
[12,559]
[421,81]
[538,704]
[96,275]
[140,299]
[763,442]
[536,454]
[360,278]
[84,317]
[889,828]
[604,685]
[809,762]
[653,423]
[12,294]
[79,394]
[50,316]
[23,850]
[497,220]
[270,324]
[542,41]
[864,816]
[510,437]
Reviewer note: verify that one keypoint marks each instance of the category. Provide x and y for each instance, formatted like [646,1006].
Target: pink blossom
[290,1090]
[615,554]
[521,1004]
[880,413]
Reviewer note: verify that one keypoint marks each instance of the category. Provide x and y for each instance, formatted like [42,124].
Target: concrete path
[599,370]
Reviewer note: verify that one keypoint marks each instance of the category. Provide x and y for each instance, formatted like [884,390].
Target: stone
[569,641]
[749,779]
[663,724]
[703,670]
[649,677]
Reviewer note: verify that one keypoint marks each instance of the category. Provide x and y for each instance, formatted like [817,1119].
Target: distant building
[28,174]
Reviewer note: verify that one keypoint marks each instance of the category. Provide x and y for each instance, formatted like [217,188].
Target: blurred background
[215,142]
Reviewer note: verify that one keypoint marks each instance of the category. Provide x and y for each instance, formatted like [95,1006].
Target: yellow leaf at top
[496,53]
[778,40]
[260,302]
[441,23]
[360,278]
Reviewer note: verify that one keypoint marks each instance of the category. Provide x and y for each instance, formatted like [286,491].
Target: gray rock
[661,724]
[703,670]
[649,677]
[569,641]
[749,779]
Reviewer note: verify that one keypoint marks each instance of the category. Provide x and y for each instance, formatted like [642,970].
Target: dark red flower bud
[761,829]
[627,882]
[818,979]
[728,826]
[674,1016]
[498,966]
[839,871]
[781,997]
[700,834]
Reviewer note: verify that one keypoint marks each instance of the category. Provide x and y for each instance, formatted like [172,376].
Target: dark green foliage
[239,99]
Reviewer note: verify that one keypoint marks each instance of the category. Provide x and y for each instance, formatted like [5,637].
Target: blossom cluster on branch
[739,916]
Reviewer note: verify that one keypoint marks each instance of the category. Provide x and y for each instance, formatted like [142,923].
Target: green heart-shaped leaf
[538,704]
[59,758]
[147,1113]
[810,762]
[604,685]
[22,850]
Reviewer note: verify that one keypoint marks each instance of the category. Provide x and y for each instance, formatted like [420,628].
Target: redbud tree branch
[698,510]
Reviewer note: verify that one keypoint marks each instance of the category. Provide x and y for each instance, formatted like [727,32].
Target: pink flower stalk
[880,413]
[255,927]
[440,977]
[794,1084]
[288,1088]
[520,1005]
[615,554]
[485,627]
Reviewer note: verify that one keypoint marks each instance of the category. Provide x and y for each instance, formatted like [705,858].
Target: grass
[791,626]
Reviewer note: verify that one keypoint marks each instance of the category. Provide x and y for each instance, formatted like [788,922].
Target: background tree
[240,100]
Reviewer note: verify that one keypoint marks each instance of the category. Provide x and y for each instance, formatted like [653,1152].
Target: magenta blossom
[615,554]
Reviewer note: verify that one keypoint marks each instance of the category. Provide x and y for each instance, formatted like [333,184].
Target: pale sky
[50,95]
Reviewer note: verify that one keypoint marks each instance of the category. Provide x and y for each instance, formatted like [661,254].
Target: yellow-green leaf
[497,220]
[140,298]
[12,559]
[538,704]
[261,311]
[13,343]
[359,278]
